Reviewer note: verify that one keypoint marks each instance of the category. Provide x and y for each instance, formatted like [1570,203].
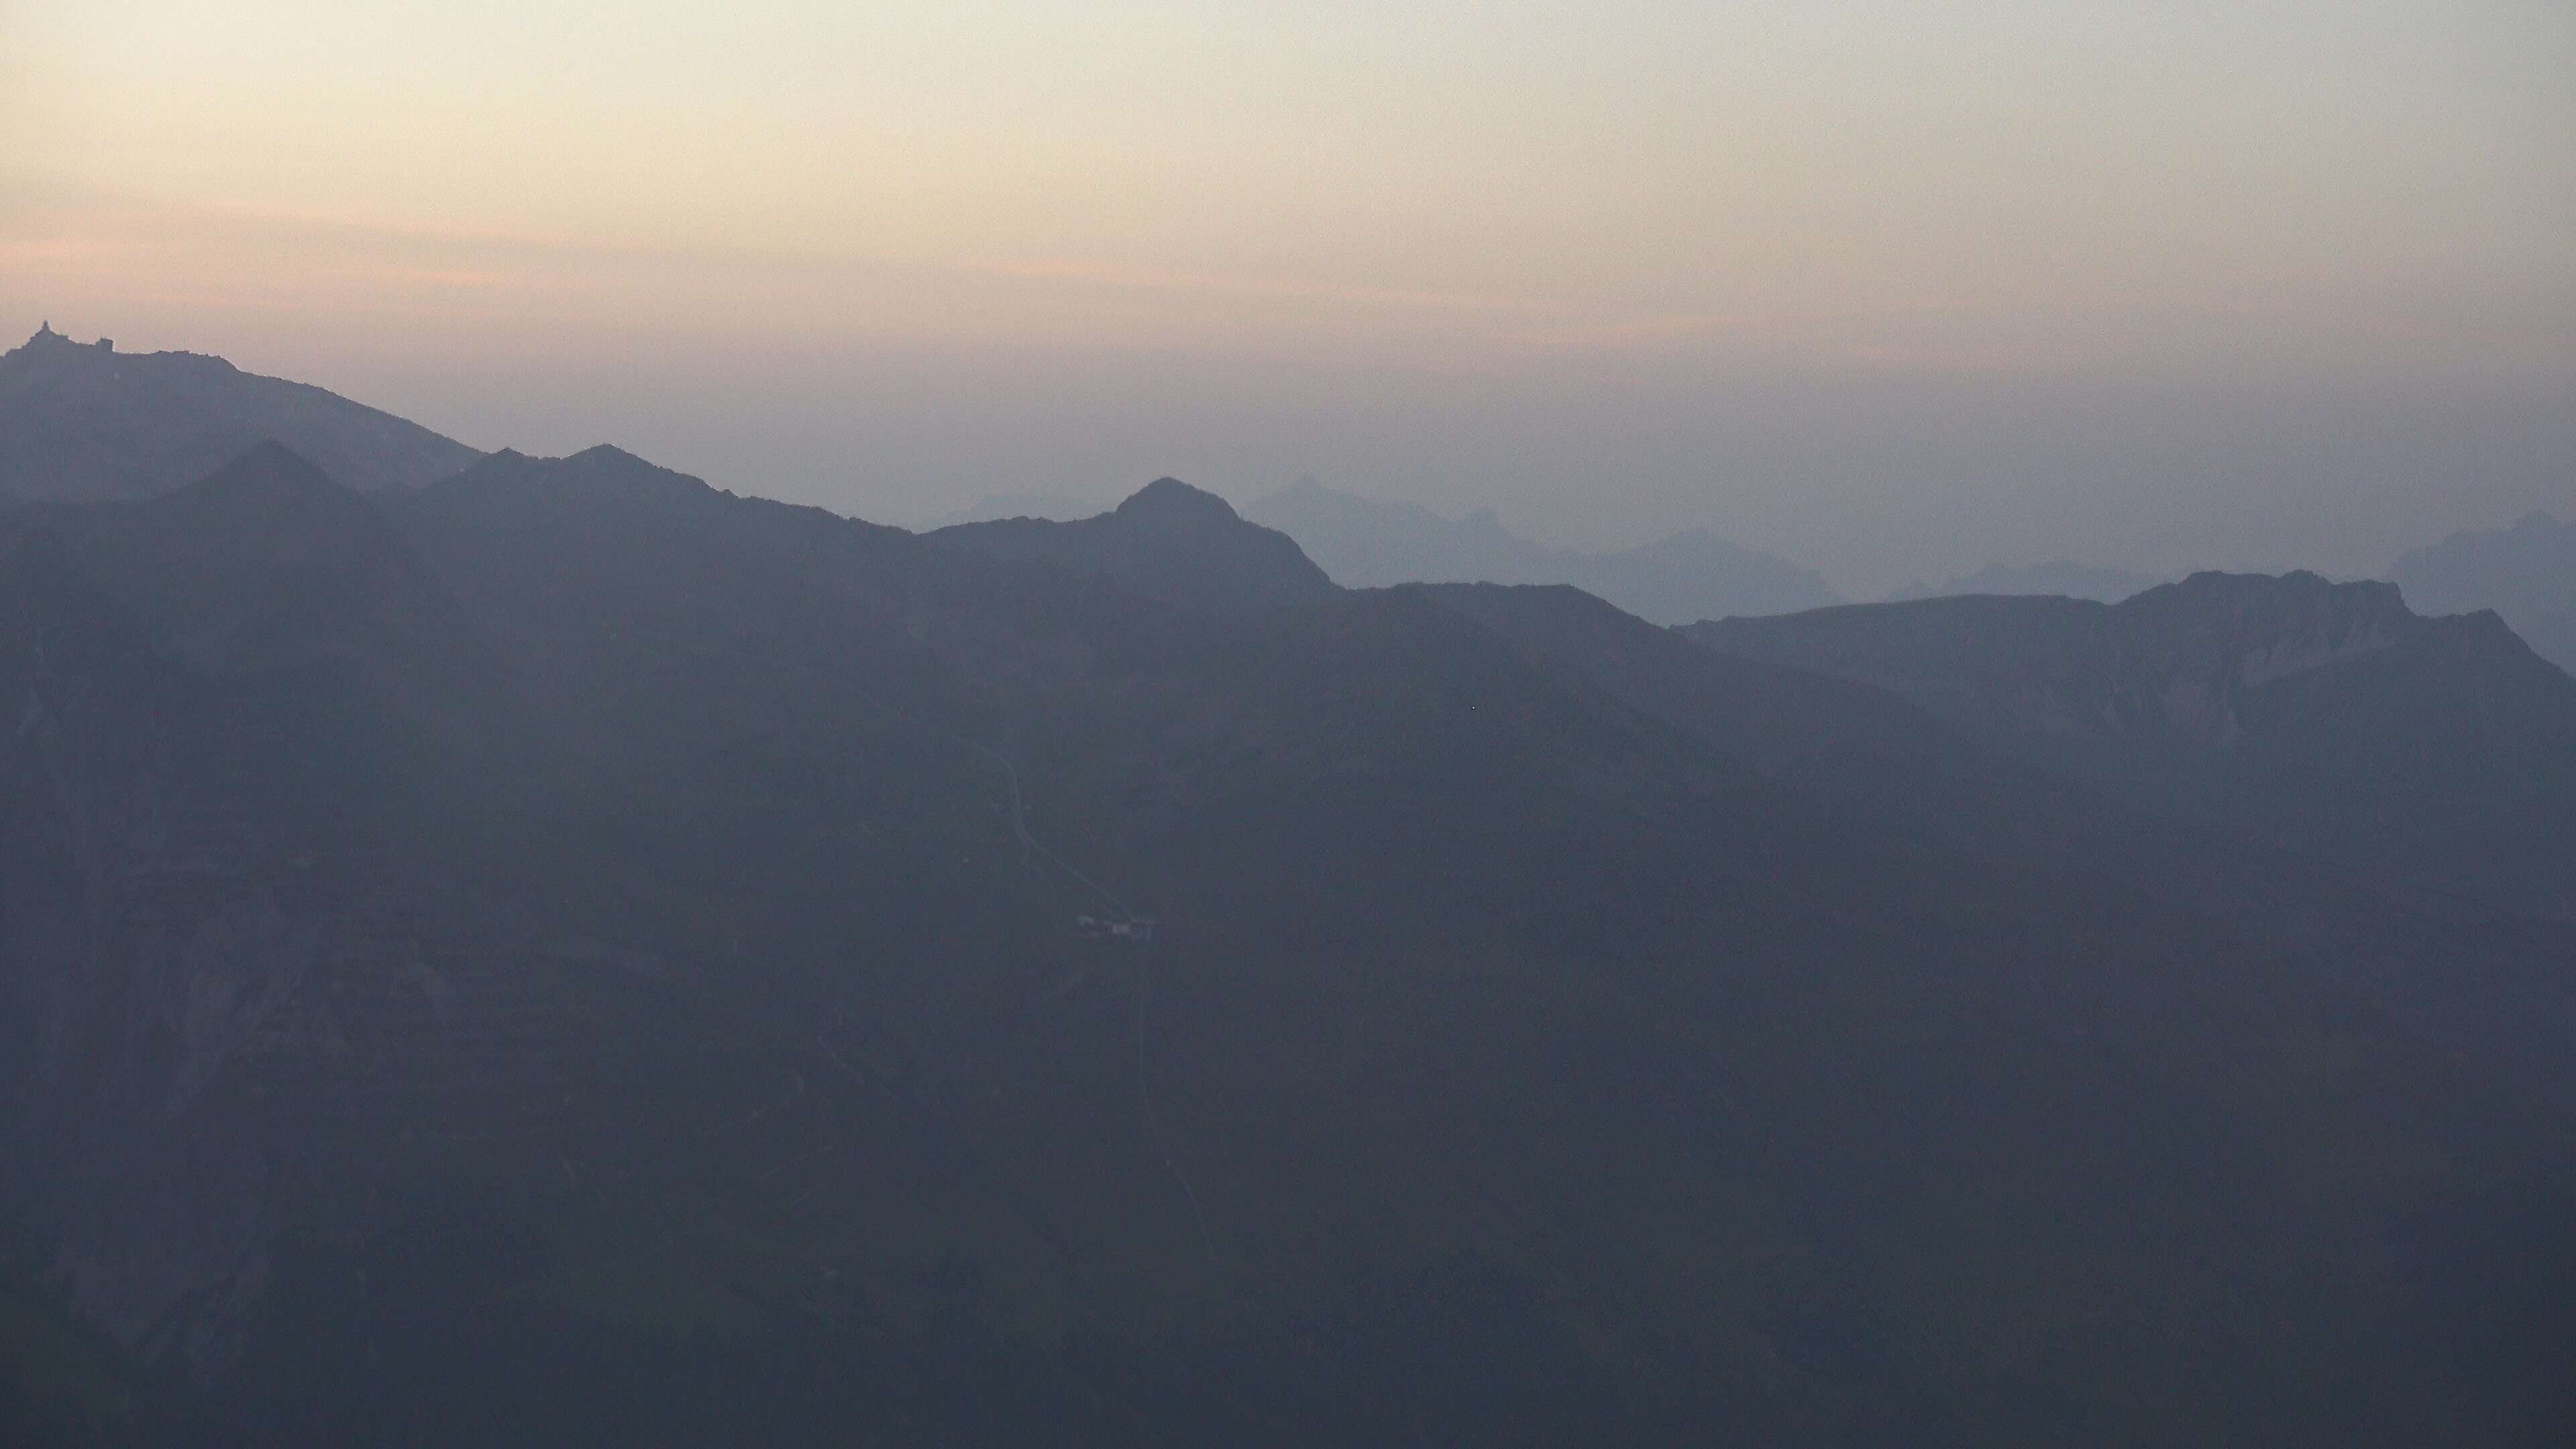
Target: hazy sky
[1894,287]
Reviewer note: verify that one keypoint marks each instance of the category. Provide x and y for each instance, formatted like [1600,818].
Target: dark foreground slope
[2328,719]
[88,423]
[673,967]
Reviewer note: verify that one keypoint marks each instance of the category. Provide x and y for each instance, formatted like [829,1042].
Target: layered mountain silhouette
[1172,542]
[2059,577]
[1690,576]
[568,954]
[2326,718]
[2526,573]
[85,422]
[995,507]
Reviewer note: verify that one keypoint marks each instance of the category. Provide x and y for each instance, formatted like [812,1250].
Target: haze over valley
[1176,724]
[648,929]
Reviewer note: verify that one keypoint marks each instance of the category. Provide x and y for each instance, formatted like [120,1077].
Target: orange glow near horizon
[2004,185]
[1899,289]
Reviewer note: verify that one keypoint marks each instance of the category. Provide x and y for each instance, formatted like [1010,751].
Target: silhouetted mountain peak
[601,473]
[1169,500]
[51,355]
[82,422]
[271,502]
[268,469]
[607,460]
[1168,541]
[267,563]
[609,455]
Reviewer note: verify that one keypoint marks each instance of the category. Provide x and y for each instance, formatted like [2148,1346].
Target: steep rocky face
[88,423]
[2200,647]
[191,848]
[2328,716]
[231,916]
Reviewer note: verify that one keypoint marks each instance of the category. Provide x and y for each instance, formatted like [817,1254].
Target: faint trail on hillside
[1019,818]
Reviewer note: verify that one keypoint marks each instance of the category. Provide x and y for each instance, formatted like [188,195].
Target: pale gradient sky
[1893,287]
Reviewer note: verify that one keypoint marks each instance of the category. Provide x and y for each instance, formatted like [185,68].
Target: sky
[1894,288]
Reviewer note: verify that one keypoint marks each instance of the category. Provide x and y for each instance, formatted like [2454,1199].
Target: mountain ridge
[1168,540]
[2526,573]
[2061,577]
[1685,577]
[2329,714]
[1530,1024]
[89,423]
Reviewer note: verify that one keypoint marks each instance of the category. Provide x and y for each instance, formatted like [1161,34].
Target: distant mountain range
[994,507]
[2328,718]
[2526,573]
[1690,576]
[568,954]
[2059,578]
[89,423]
[1170,542]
